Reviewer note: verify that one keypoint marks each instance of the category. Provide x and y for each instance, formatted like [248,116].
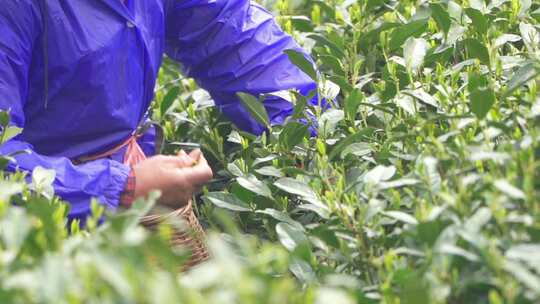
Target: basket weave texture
[192,238]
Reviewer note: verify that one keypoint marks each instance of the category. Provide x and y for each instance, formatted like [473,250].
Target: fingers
[202,172]
[186,170]
[195,154]
[180,161]
[181,153]
[194,176]
[174,161]
[188,161]
[201,160]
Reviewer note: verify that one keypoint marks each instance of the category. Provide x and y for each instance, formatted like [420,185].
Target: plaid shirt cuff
[128,196]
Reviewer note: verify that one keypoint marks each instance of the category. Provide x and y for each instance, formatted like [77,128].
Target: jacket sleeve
[232,46]
[20,28]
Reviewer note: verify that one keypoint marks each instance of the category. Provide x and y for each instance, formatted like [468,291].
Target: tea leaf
[294,186]
[303,271]
[481,97]
[4,119]
[401,216]
[480,22]
[414,52]
[299,60]
[505,187]
[441,16]
[269,171]
[523,75]
[227,201]
[254,185]
[379,173]
[168,100]
[255,108]
[402,33]
[293,133]
[9,133]
[290,236]
[477,50]
[281,216]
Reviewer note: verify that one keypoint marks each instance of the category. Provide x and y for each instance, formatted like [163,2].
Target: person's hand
[178,177]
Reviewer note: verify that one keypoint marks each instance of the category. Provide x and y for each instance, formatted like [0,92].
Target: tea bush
[421,184]
[121,262]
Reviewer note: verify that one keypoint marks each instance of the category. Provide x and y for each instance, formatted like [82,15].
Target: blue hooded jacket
[79,77]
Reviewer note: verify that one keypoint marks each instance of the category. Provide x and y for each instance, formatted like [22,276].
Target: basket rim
[158,218]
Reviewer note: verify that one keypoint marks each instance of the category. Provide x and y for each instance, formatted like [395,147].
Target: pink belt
[133,155]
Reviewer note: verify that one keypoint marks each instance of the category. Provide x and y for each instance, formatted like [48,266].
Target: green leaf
[254,185]
[15,228]
[333,63]
[477,50]
[358,149]
[269,171]
[4,119]
[428,232]
[303,271]
[263,160]
[294,186]
[430,172]
[478,220]
[352,102]
[422,96]
[8,189]
[9,133]
[379,173]
[227,201]
[281,216]
[403,182]
[302,23]
[323,41]
[168,100]
[342,144]
[326,234]
[457,251]
[530,35]
[414,53]
[299,60]
[43,177]
[402,33]
[441,54]
[414,288]
[401,216]
[441,17]
[505,187]
[524,7]
[316,206]
[329,294]
[290,236]
[4,162]
[329,121]
[522,274]
[455,34]
[255,108]
[525,74]
[301,103]
[234,169]
[528,253]
[481,96]
[293,133]
[42,180]
[480,22]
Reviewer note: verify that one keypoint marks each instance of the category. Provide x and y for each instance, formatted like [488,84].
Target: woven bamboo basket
[192,238]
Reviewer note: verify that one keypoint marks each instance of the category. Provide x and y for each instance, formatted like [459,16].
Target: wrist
[128,195]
